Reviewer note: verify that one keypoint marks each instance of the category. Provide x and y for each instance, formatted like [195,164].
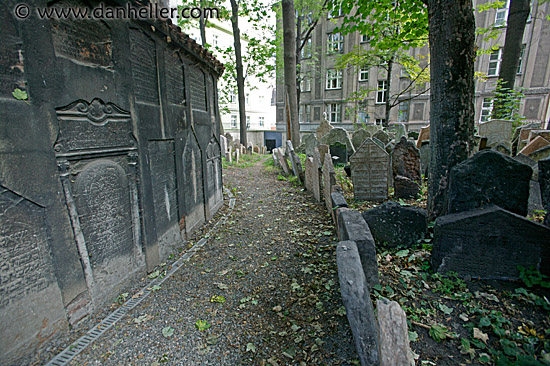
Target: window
[335,13]
[261,121]
[335,43]
[486,109]
[521,55]
[305,113]
[363,38]
[305,84]
[233,121]
[502,15]
[364,74]
[382,90]
[334,112]
[334,79]
[261,98]
[247,99]
[247,122]
[380,121]
[306,50]
[232,97]
[214,40]
[494,63]
[403,113]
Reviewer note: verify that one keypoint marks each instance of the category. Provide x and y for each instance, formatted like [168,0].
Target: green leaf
[445,309]
[167,332]
[218,299]
[250,348]
[20,94]
[202,325]
[413,336]
[438,332]
[402,253]
[154,274]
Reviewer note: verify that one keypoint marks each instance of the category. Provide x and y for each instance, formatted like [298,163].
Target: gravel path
[265,286]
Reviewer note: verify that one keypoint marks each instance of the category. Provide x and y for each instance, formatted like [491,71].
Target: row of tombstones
[233,150]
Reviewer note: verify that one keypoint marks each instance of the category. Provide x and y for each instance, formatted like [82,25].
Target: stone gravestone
[237,155]
[323,150]
[256,149]
[229,155]
[358,137]
[372,129]
[329,179]
[369,172]
[223,144]
[294,161]
[341,136]
[275,159]
[538,143]
[544,180]
[282,161]
[425,158]
[424,136]
[339,153]
[503,148]
[489,243]
[382,136]
[393,225]
[489,177]
[309,142]
[406,169]
[393,333]
[399,130]
[323,129]
[540,153]
[496,130]
[317,175]
[309,172]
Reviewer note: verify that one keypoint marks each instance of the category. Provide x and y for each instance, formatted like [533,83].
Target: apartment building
[327,91]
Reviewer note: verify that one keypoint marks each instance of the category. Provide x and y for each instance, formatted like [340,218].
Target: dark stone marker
[338,200]
[339,153]
[544,180]
[392,224]
[489,177]
[406,169]
[351,226]
[489,243]
[356,297]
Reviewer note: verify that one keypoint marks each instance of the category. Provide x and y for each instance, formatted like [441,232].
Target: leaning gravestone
[369,172]
[316,177]
[282,161]
[294,161]
[496,130]
[323,150]
[406,169]
[393,225]
[425,158]
[394,334]
[537,143]
[423,136]
[544,180]
[275,158]
[323,129]
[338,135]
[540,153]
[223,144]
[309,172]
[329,179]
[489,243]
[489,177]
[358,137]
[382,136]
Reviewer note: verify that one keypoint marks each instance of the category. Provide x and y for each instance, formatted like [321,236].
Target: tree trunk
[289,53]
[239,69]
[515,26]
[298,61]
[452,40]
[387,94]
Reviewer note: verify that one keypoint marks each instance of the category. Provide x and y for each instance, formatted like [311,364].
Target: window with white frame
[214,40]
[363,38]
[335,43]
[334,112]
[334,13]
[306,50]
[261,98]
[305,84]
[403,113]
[232,97]
[520,61]
[247,122]
[494,63]
[380,121]
[261,121]
[364,74]
[334,79]
[381,91]
[233,121]
[502,14]
[307,113]
[486,109]
[247,99]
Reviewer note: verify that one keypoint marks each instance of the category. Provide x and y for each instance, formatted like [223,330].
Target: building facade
[327,91]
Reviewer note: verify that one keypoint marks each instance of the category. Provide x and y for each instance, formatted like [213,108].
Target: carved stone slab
[369,172]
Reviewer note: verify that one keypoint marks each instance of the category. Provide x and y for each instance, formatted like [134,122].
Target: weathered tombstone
[223,144]
[399,130]
[382,136]
[294,161]
[496,130]
[310,171]
[538,143]
[329,179]
[229,155]
[339,153]
[338,135]
[275,159]
[372,129]
[423,136]
[351,226]
[535,198]
[379,143]
[356,298]
[358,137]
[503,148]
[482,145]
[540,154]
[369,172]
[237,155]
[489,243]
[229,139]
[317,175]
[323,129]
[489,177]
[256,149]
[393,334]
[542,133]
[544,180]
[282,161]
[309,142]
[323,150]
[425,158]
[406,164]
[392,224]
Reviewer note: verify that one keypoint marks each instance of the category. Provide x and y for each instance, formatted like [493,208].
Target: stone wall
[109,164]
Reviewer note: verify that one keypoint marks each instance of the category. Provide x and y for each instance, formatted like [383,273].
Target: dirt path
[265,283]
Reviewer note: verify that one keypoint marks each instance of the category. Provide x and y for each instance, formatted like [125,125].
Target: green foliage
[509,102]
[202,325]
[532,277]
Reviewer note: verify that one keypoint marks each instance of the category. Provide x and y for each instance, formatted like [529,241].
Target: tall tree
[452,41]
[239,69]
[515,26]
[289,56]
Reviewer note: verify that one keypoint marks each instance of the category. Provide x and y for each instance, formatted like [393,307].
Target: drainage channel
[65,356]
